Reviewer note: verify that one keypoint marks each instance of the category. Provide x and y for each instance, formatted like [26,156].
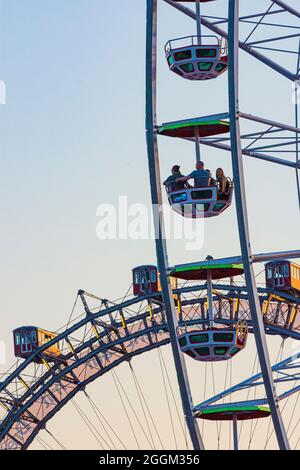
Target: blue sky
[72,137]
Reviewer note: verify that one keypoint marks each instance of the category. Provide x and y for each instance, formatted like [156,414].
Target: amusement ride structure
[196,307]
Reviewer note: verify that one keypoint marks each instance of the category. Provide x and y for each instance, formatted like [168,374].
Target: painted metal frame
[157,205]
[274,130]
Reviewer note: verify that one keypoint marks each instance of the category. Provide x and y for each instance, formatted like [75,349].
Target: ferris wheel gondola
[211,199]
[193,61]
[197,57]
[283,275]
[211,343]
[27,339]
[201,202]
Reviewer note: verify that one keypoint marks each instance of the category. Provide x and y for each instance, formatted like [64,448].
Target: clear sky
[72,137]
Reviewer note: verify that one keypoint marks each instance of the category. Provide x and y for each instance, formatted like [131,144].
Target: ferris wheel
[204,57]
[208,310]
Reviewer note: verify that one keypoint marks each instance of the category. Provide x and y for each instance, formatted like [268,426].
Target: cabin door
[145,285]
[279,276]
[26,343]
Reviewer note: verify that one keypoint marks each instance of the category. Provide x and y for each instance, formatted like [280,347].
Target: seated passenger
[212,180]
[222,181]
[172,182]
[201,176]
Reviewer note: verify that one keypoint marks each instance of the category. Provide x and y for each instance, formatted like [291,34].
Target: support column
[197,145]
[161,249]
[210,300]
[296,125]
[242,217]
[198,19]
[235,432]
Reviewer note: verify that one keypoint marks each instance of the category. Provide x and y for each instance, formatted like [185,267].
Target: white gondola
[210,342]
[201,202]
[216,344]
[192,59]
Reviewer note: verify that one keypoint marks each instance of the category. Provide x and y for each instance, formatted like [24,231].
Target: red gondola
[146,280]
[29,338]
[283,276]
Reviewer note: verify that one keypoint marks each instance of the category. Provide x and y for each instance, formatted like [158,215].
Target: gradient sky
[72,137]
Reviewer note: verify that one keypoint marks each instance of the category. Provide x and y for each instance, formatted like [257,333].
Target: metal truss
[33,393]
[287,371]
[264,142]
[272,137]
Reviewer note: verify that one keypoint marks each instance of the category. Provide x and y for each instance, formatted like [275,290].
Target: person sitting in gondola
[172,182]
[222,182]
[212,181]
[201,176]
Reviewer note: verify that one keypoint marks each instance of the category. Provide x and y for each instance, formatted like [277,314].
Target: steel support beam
[297,124]
[235,432]
[263,257]
[252,153]
[242,217]
[197,145]
[157,204]
[269,122]
[287,7]
[210,299]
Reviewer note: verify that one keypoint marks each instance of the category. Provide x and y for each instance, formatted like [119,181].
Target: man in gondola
[202,177]
[172,182]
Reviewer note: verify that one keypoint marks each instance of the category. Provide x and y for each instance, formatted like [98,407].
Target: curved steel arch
[70,373]
[42,399]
